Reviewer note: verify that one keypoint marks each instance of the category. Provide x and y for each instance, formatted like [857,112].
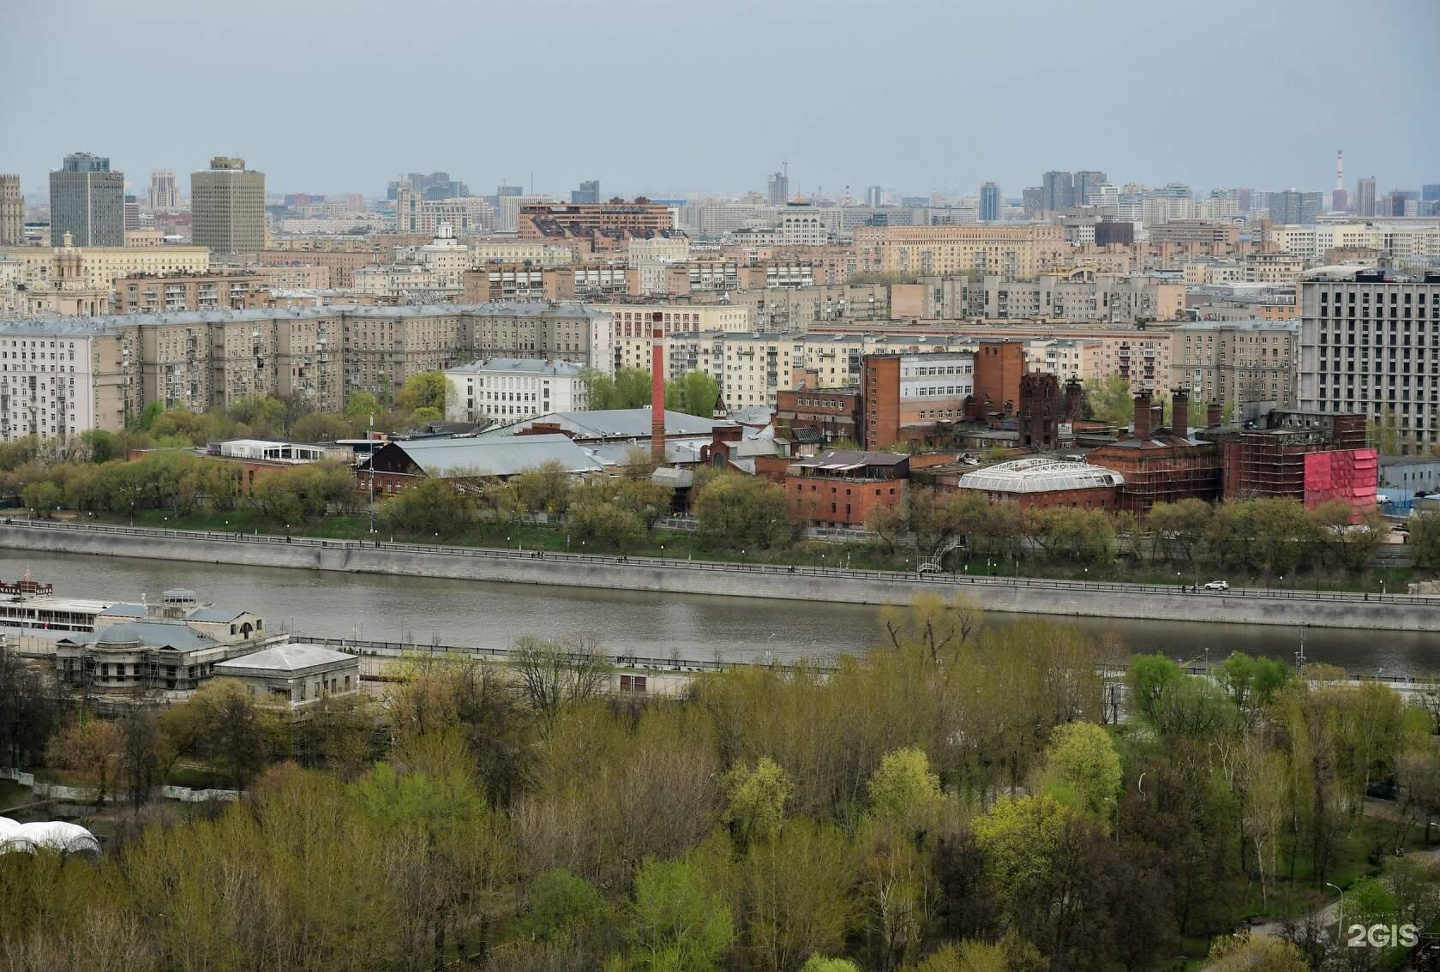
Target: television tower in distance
[1340,201]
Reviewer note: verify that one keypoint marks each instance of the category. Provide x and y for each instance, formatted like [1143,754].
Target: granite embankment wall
[1022,596]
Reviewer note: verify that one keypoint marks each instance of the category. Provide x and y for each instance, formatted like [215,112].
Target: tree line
[1257,536]
[960,798]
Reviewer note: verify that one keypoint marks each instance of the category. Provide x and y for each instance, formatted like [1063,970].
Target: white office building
[1370,344]
[515,389]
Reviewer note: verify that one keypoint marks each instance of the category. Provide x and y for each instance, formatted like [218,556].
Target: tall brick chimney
[1157,416]
[657,388]
[1074,396]
[1142,415]
[1180,413]
[1214,415]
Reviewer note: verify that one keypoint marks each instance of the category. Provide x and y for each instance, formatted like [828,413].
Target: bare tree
[554,674]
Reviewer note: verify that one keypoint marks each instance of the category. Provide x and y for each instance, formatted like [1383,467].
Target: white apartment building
[1371,345]
[59,379]
[515,389]
[397,280]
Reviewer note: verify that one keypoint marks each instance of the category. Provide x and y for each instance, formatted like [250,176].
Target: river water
[427,610]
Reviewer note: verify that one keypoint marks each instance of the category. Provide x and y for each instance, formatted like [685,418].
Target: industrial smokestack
[1142,415]
[1180,413]
[657,388]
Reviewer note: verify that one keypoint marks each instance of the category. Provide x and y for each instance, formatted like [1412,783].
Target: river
[455,612]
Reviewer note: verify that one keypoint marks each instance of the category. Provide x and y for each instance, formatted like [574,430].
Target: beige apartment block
[1016,253]
[173,293]
[1237,362]
[101,266]
[340,264]
[1082,296]
[536,252]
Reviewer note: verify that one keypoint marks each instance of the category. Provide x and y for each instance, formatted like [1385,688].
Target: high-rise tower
[227,206]
[1340,201]
[87,201]
[12,211]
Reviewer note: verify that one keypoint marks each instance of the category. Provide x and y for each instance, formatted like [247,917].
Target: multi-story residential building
[1368,346]
[227,206]
[418,215]
[60,379]
[1059,191]
[1084,296]
[1066,358]
[1016,253]
[340,264]
[637,320]
[12,211]
[87,201]
[314,355]
[397,281]
[173,293]
[515,389]
[1235,363]
[1266,268]
[651,261]
[819,416]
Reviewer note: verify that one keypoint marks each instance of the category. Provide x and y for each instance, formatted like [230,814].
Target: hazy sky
[679,97]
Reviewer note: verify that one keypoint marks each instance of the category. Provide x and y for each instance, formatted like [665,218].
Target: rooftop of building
[1040,474]
[615,423]
[520,366]
[107,323]
[1242,324]
[175,635]
[282,660]
[506,456]
[841,460]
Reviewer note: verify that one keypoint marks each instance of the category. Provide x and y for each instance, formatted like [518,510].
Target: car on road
[1217,586]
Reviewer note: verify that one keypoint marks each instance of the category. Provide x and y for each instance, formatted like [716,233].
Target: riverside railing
[935,579]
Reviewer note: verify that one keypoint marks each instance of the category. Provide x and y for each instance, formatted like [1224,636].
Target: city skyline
[1023,119]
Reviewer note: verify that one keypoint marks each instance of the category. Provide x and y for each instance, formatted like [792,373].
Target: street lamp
[567,544]
[1340,915]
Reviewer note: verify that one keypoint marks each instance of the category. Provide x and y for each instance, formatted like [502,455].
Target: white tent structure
[54,835]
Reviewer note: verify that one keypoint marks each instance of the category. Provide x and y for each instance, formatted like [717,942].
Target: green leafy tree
[1109,400]
[1082,761]
[606,527]
[432,506]
[43,497]
[560,905]
[544,489]
[321,427]
[756,801]
[1251,681]
[426,393]
[679,925]
[694,393]
[904,792]
[1179,528]
[361,407]
[817,964]
[1151,677]
[744,511]
[1425,539]
[629,388]
[1021,840]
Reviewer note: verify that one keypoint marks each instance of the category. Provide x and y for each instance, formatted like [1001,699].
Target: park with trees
[962,797]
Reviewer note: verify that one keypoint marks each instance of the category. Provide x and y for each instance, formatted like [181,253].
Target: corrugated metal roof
[505,456]
[615,423]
